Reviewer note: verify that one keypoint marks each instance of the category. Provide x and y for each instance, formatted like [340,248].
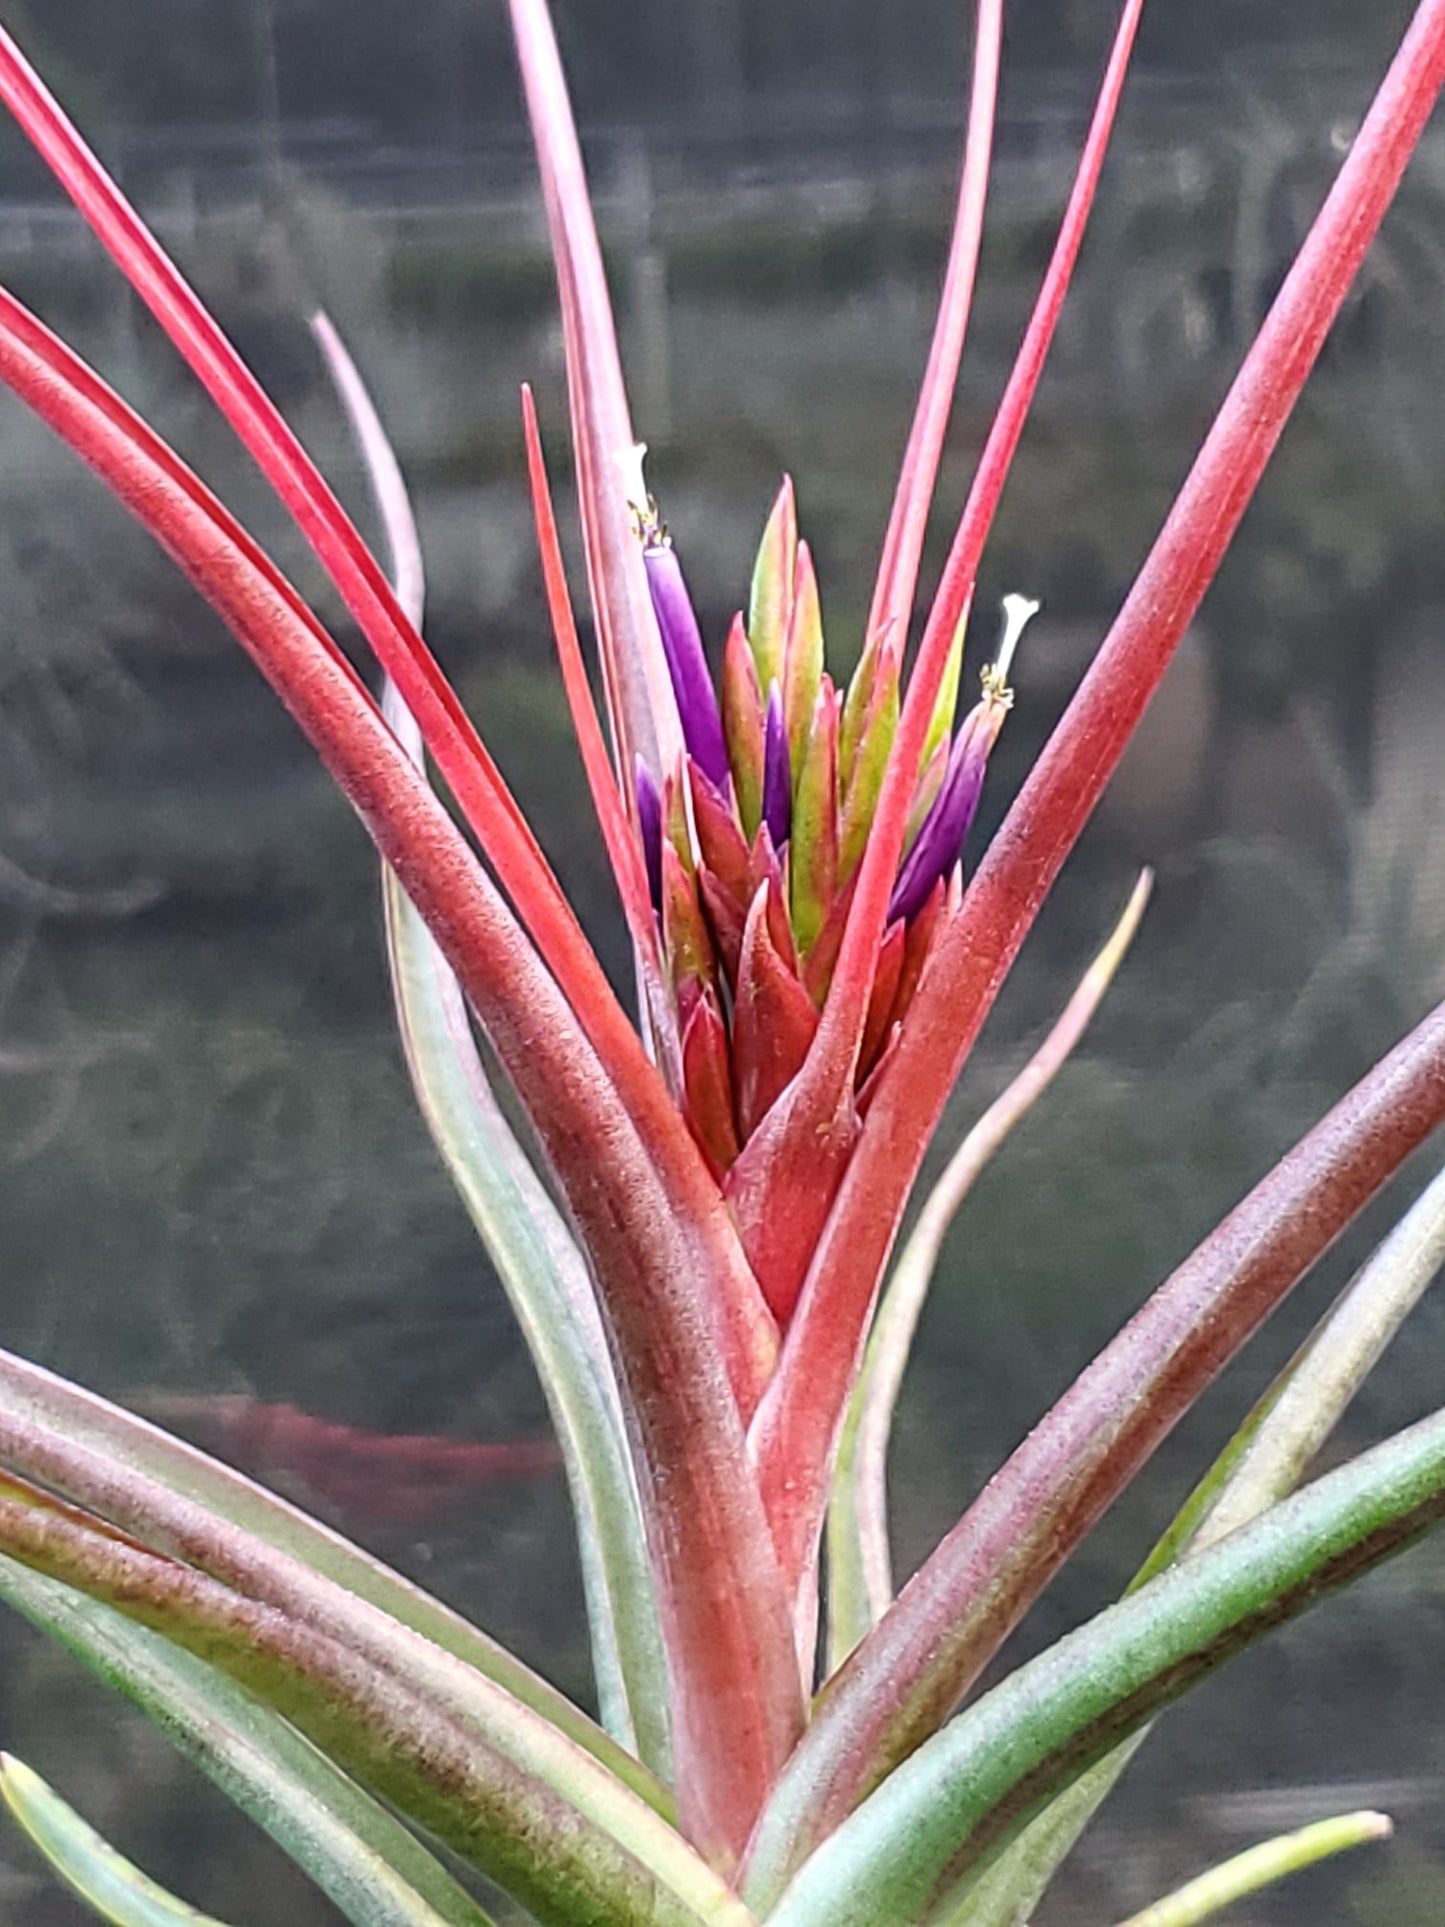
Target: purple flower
[777,771]
[939,843]
[649,823]
[687,664]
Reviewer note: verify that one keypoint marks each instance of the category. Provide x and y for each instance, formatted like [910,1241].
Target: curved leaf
[962,1603]
[251,1523]
[515,1798]
[893,591]
[977,949]
[375,1871]
[112,1461]
[1260,1464]
[906,1852]
[89,1865]
[622,842]
[472,775]
[551,1294]
[643,708]
[1262,1866]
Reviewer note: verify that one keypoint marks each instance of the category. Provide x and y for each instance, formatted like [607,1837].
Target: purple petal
[777,771]
[939,843]
[686,661]
[649,824]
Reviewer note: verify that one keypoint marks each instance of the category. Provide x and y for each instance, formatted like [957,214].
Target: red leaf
[794,1431]
[918,947]
[695,1340]
[885,993]
[685,934]
[773,1022]
[847,1007]
[898,569]
[707,1075]
[822,958]
[639,690]
[726,920]
[721,844]
[623,849]
[743,718]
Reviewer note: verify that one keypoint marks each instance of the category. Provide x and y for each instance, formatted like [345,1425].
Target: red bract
[813,969]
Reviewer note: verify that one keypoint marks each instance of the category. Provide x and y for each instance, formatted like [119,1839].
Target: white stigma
[1018,612]
[634,484]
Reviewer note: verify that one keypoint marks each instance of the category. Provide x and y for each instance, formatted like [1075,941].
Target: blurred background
[216,1202]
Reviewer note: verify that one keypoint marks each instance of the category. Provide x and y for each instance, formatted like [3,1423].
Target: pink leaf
[639,691]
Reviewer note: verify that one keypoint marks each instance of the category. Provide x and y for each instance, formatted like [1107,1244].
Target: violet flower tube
[939,843]
[686,661]
[649,824]
[777,772]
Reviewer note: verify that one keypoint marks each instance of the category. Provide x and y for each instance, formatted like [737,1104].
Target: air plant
[731,1172]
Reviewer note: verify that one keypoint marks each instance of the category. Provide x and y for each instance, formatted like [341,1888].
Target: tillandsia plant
[698,1256]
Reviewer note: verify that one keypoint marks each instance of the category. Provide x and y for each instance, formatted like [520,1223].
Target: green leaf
[771,600]
[1273,1448]
[519,1801]
[1260,1464]
[117,1891]
[933,1643]
[912,1847]
[375,1871]
[1260,1867]
[164,1490]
